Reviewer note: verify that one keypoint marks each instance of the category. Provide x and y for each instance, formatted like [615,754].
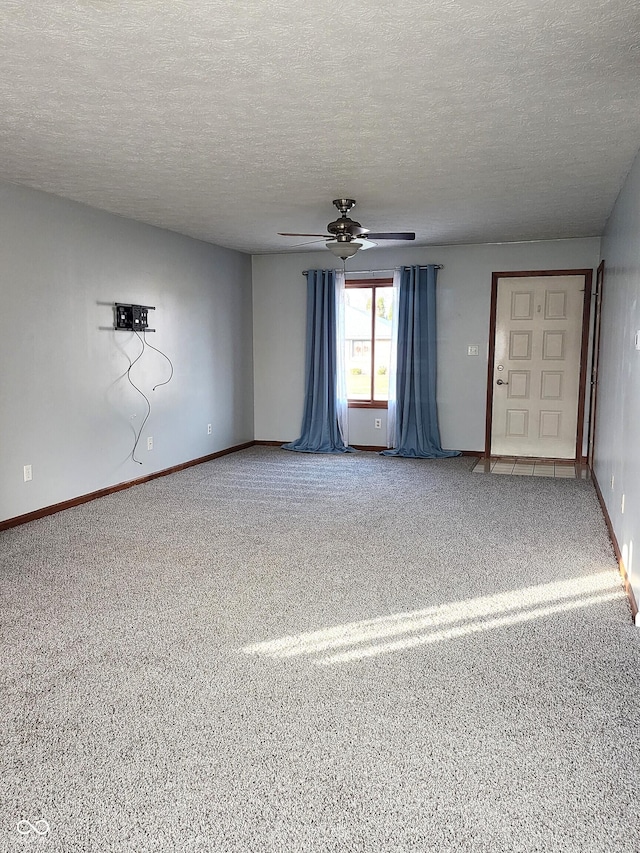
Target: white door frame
[495,277]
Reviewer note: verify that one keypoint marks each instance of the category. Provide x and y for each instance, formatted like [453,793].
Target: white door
[536,372]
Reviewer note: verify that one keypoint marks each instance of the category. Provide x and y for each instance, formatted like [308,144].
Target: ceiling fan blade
[289,234]
[401,235]
[307,243]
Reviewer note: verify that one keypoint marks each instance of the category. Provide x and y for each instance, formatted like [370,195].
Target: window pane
[357,329]
[382,343]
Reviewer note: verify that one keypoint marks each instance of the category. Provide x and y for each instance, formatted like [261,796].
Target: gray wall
[464,291]
[66,407]
[618,407]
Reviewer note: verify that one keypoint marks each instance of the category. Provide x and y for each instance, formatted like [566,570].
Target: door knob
[501,382]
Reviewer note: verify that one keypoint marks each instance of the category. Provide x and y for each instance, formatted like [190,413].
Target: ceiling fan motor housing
[345,229]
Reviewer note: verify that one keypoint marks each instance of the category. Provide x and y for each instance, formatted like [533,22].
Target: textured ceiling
[464,120]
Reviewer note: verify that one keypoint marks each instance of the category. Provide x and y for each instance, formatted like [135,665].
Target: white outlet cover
[473,350]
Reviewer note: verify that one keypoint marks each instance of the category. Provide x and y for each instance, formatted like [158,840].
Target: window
[367,325]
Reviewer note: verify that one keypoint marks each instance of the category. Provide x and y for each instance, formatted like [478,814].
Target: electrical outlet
[473,350]
[150,443]
[28,473]
[208,429]
[378,423]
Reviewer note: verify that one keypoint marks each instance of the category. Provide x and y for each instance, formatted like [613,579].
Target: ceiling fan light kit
[343,248]
[342,239]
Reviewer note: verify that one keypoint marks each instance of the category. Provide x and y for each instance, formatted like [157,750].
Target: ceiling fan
[346,236]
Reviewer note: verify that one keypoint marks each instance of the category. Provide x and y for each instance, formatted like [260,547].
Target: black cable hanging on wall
[142,394]
[164,355]
[134,318]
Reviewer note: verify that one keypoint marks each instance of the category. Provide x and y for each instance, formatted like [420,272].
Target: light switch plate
[473,350]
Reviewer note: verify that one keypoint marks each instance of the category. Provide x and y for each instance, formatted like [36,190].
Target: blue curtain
[416,431]
[320,430]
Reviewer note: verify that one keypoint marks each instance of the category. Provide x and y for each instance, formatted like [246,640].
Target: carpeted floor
[285,652]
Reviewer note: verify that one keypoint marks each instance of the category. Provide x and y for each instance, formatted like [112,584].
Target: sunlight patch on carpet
[407,630]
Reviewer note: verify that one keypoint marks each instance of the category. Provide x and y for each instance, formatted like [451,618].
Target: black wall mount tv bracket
[132,318]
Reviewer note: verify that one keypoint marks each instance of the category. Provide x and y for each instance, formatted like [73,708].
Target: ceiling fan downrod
[344,205]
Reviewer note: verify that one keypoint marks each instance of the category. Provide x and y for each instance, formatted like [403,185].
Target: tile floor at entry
[525,467]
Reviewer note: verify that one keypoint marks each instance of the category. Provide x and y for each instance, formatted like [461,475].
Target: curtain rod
[373,272]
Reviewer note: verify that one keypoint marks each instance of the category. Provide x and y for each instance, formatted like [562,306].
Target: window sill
[367,404]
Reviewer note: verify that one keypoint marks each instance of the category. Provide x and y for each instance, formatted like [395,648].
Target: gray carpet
[286,652]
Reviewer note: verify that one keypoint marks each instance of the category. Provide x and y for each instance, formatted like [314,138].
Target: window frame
[369,283]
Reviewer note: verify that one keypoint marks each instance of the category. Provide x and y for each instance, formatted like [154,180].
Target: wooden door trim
[595,365]
[582,389]
[495,277]
[491,366]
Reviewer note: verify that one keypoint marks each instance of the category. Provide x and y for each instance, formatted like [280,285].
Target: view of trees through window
[368,315]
